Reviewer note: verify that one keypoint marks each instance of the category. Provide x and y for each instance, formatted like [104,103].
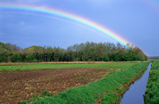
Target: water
[136,91]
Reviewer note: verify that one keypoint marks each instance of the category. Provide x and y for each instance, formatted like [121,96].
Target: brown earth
[21,85]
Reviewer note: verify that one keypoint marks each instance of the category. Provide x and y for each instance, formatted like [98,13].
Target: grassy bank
[115,65]
[152,92]
[107,90]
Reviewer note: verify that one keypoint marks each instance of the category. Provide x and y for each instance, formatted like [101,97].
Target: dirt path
[21,85]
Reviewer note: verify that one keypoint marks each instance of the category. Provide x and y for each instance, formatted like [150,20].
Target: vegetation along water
[152,92]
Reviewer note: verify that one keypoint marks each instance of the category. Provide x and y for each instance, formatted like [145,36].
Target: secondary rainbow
[63,15]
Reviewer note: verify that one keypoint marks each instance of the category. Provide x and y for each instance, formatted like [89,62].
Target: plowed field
[17,86]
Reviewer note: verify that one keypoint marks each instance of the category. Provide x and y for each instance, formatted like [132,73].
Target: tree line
[153,57]
[88,51]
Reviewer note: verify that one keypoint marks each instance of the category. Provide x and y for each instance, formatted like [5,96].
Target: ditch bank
[107,90]
[152,91]
[136,91]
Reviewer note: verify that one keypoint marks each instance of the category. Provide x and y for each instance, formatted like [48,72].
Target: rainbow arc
[66,16]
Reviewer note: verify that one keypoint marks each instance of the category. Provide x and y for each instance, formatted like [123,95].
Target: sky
[137,21]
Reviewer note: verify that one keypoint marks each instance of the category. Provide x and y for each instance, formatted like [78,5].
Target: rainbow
[63,15]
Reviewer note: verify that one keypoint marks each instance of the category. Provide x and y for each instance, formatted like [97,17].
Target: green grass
[152,91]
[117,65]
[107,90]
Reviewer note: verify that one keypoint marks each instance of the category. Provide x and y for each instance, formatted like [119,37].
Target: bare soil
[21,85]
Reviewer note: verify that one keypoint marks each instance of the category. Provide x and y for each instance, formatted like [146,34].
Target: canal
[136,91]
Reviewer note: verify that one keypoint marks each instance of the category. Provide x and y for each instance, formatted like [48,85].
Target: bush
[30,58]
[16,57]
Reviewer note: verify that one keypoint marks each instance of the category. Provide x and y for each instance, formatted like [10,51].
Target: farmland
[36,66]
[96,81]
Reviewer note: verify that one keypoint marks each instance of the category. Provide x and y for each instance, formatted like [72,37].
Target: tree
[2,45]
[119,46]
[115,56]
[120,53]
[16,57]
[106,57]
[3,55]
[139,52]
[13,47]
[78,52]
[30,58]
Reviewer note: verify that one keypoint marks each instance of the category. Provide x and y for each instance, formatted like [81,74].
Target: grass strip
[115,65]
[107,90]
[152,91]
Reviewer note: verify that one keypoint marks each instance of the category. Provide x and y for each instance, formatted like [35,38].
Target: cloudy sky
[137,21]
